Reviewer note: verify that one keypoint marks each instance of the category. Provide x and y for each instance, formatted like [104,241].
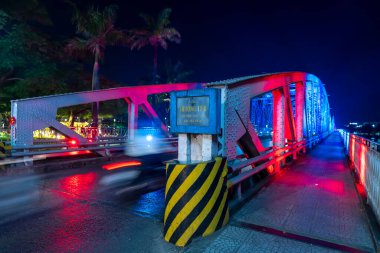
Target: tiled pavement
[315,198]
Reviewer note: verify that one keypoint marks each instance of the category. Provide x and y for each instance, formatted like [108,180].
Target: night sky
[337,40]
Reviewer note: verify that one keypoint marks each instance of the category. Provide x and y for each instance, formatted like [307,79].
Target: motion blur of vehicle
[17,195]
[148,141]
[144,168]
[133,177]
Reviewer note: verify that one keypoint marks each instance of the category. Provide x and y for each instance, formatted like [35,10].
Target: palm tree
[156,33]
[95,31]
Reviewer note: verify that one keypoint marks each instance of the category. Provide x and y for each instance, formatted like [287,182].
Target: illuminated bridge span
[289,106]
[294,200]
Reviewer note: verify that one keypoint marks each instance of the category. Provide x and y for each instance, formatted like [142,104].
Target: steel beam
[300,106]
[35,113]
[133,115]
[290,132]
[278,119]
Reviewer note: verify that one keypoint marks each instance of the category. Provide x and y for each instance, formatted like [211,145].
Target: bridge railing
[365,156]
[271,160]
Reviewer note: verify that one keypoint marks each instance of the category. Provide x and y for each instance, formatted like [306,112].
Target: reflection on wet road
[68,212]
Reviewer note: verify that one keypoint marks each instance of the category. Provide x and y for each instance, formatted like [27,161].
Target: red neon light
[270,169]
[72,142]
[12,121]
[118,165]
[363,164]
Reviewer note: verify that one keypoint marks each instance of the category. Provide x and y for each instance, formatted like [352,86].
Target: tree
[156,33]
[27,66]
[95,31]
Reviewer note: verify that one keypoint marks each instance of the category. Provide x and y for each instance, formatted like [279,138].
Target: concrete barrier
[196,201]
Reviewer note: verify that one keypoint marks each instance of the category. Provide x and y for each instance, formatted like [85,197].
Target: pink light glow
[333,186]
[352,149]
[118,165]
[72,142]
[363,163]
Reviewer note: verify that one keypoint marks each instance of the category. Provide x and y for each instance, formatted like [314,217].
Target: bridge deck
[314,202]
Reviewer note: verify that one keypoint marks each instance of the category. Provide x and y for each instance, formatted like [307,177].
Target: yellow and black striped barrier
[2,150]
[195,200]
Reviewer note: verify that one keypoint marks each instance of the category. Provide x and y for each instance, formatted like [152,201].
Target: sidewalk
[312,207]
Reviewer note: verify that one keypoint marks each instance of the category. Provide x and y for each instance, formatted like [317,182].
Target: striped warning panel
[195,200]
[2,150]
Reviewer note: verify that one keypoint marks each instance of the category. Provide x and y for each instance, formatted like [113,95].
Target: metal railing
[103,144]
[271,160]
[365,156]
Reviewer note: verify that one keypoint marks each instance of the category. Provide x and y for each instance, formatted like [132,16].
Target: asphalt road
[71,211]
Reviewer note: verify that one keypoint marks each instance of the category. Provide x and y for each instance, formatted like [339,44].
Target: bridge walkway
[312,206]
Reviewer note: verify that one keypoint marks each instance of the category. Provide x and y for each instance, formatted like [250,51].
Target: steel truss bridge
[290,106]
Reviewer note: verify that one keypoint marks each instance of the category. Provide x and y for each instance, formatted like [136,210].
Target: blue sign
[195,111]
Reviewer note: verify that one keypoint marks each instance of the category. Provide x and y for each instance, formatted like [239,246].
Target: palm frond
[171,34]
[117,37]
[76,47]
[96,29]
[163,43]
[156,32]
[163,18]
[149,21]
[139,43]
[139,38]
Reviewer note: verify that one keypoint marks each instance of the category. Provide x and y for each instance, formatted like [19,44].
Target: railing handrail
[30,150]
[266,155]
[369,143]
[270,158]
[365,157]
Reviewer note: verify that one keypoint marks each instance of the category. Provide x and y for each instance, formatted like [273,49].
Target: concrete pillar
[300,105]
[202,147]
[278,119]
[196,148]
[184,148]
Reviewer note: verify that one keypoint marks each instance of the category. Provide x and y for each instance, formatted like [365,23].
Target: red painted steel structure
[312,111]
[310,105]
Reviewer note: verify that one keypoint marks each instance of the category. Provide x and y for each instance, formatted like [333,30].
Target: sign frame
[213,111]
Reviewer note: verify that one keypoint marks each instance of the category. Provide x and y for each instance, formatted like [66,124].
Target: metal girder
[278,118]
[300,108]
[290,129]
[35,113]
